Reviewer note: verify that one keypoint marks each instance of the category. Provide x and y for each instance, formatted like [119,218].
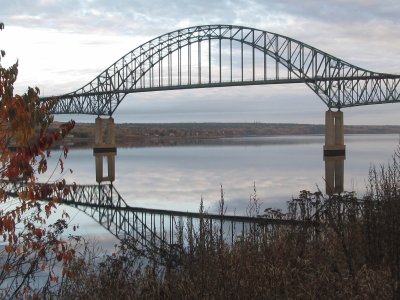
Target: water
[178,177]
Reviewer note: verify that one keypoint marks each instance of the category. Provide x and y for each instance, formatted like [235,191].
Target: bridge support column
[104,149]
[334,152]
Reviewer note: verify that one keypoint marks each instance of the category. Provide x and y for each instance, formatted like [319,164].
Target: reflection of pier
[105,149]
[334,152]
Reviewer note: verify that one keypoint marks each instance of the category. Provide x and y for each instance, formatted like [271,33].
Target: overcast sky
[62,45]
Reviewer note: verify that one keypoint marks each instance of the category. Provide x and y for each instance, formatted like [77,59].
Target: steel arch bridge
[228,55]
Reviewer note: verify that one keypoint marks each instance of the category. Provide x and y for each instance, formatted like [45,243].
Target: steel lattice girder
[338,83]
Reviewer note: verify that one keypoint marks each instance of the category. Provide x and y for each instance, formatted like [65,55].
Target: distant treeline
[128,133]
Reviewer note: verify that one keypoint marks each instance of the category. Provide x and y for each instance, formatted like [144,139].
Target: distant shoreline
[163,134]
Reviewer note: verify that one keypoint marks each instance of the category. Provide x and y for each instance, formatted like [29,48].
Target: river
[178,177]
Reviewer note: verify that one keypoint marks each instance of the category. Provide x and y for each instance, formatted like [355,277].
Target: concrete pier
[334,152]
[104,149]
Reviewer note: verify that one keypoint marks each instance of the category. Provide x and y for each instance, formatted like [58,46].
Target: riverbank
[163,134]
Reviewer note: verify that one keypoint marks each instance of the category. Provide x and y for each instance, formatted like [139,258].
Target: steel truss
[228,55]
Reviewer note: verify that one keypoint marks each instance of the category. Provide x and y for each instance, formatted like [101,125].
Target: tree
[30,246]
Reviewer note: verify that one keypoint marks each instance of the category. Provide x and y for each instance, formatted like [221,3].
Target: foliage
[29,245]
[345,248]
[349,253]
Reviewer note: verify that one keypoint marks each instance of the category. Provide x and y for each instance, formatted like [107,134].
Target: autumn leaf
[25,143]
[61,165]
[6,268]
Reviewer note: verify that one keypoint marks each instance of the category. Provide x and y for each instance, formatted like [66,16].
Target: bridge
[227,55]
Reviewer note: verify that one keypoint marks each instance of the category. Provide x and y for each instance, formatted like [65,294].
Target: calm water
[177,177]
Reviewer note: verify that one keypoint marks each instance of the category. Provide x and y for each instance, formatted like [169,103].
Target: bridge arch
[181,58]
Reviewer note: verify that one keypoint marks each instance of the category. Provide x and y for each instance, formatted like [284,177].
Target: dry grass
[352,254]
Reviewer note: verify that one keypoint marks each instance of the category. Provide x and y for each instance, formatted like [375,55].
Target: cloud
[323,24]
[129,17]
[62,45]
[146,17]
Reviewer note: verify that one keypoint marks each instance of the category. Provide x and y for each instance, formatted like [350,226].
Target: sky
[62,45]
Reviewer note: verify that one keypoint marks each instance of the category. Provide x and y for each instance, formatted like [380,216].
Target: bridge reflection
[160,231]
[156,227]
